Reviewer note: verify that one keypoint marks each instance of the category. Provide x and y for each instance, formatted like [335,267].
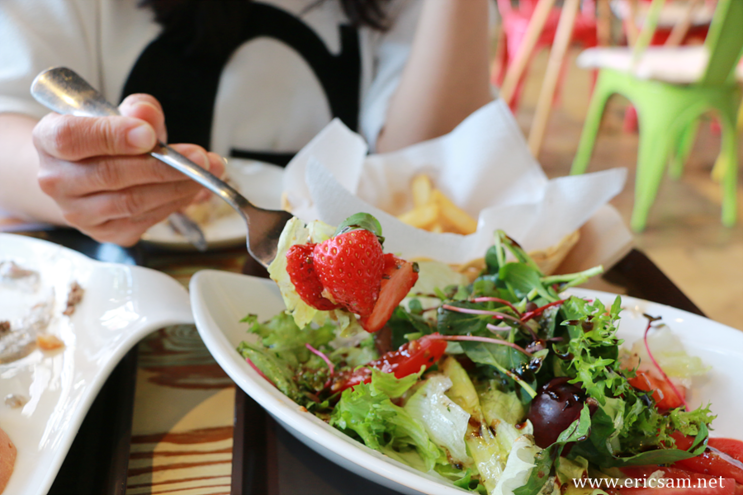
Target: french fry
[421,187]
[434,212]
[453,214]
[422,216]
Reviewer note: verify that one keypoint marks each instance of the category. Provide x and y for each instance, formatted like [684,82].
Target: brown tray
[268,460]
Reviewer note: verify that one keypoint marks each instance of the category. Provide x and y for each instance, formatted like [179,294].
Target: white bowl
[121,305]
[220,299]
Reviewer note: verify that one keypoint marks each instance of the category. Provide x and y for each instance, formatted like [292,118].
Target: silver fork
[64,91]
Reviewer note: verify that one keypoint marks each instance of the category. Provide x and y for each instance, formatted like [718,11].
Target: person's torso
[293,68]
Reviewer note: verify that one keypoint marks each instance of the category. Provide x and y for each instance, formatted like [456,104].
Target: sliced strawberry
[301,269]
[399,277]
[350,268]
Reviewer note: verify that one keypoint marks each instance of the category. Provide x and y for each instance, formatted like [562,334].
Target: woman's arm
[446,77]
[20,193]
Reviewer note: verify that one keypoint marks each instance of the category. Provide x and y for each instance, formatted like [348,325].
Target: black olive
[557,405]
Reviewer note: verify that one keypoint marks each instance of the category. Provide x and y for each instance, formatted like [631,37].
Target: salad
[498,385]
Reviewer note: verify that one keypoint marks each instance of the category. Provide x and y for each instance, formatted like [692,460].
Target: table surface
[191,432]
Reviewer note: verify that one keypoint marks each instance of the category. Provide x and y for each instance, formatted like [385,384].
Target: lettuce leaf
[518,466]
[282,335]
[366,412]
[670,354]
[498,404]
[295,232]
[445,422]
[278,371]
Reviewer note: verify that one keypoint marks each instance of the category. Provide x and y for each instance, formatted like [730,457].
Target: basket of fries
[444,199]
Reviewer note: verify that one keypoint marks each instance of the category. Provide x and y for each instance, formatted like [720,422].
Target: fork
[64,91]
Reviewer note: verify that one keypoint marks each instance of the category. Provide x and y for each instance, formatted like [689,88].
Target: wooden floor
[684,237]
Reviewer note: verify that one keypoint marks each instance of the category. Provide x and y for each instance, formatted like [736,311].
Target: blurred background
[684,234]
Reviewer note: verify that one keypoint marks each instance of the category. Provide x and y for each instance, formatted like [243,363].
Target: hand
[98,171]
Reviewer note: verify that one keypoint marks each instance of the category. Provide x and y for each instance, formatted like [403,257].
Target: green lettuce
[281,335]
[278,371]
[445,422]
[366,411]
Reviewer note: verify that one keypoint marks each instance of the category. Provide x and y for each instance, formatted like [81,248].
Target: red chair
[515,20]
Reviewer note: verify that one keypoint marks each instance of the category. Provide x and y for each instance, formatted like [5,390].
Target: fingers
[116,199]
[217,166]
[70,138]
[61,179]
[90,212]
[99,172]
[147,108]
[127,231]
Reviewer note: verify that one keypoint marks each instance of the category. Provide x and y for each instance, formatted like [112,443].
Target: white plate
[121,305]
[259,182]
[220,299]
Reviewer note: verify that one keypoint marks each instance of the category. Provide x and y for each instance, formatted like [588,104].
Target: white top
[268,97]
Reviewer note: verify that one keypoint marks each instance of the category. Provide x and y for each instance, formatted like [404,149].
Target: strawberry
[301,270]
[399,277]
[350,267]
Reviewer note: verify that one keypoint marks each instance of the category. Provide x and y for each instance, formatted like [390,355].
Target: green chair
[670,103]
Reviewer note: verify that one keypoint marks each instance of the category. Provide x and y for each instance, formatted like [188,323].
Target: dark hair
[210,27]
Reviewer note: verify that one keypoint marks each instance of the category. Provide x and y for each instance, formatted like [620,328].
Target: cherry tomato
[664,395]
[405,361]
[711,462]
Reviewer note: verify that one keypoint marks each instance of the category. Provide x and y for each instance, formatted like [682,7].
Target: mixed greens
[498,386]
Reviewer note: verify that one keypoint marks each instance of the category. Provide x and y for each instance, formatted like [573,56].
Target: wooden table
[169,420]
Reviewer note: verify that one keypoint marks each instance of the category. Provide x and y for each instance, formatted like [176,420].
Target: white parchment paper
[483,165]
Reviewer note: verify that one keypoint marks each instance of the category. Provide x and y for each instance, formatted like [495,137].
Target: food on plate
[340,273]
[48,342]
[209,211]
[21,335]
[435,212]
[15,401]
[206,212]
[74,296]
[498,386]
[7,459]
[14,276]
[20,340]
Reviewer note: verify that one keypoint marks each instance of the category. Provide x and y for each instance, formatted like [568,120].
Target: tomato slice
[405,361]
[663,394]
[677,482]
[730,446]
[711,462]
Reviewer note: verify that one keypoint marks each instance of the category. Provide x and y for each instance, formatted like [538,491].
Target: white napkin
[483,165]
